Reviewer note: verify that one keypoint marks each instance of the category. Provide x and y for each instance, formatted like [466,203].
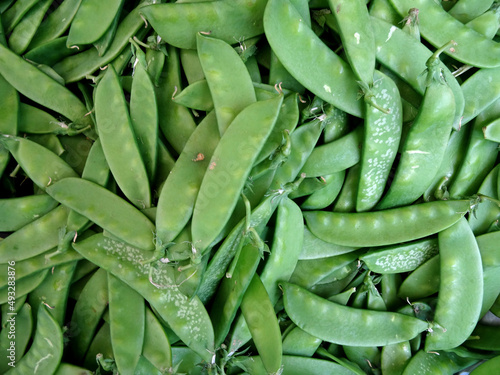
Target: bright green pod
[347,325]
[225,176]
[460,288]
[18,212]
[24,318]
[378,228]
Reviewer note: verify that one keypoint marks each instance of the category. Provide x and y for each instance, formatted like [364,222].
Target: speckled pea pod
[120,218]
[467,10]
[353,326]
[18,212]
[288,35]
[47,92]
[34,238]
[460,290]
[118,140]
[335,156]
[357,37]
[225,73]
[186,317]
[226,176]
[472,48]
[388,226]
[410,65]
[46,350]
[425,143]
[382,132]
[178,24]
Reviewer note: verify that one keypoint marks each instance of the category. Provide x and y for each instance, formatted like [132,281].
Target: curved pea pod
[357,37]
[423,281]
[314,248]
[119,217]
[46,350]
[347,325]
[118,140]
[228,79]
[36,121]
[47,92]
[186,317]
[326,195]
[378,228]
[18,212]
[437,363]
[472,48]
[410,65]
[395,357]
[335,156]
[225,176]
[299,48]
[382,132]
[300,343]
[34,238]
[196,96]
[346,201]
[460,290]
[178,194]
[425,143]
[45,168]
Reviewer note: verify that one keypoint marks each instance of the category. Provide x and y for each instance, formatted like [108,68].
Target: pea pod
[292,41]
[466,10]
[460,290]
[120,218]
[18,212]
[9,107]
[472,48]
[225,177]
[425,143]
[186,317]
[357,37]
[178,24]
[224,72]
[12,16]
[352,326]
[388,226]
[46,350]
[382,132]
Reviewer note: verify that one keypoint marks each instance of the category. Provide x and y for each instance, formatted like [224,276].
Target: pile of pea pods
[250,187]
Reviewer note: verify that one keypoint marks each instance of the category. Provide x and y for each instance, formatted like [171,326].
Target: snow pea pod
[225,71]
[487,367]
[377,228]
[491,131]
[26,29]
[325,196]
[299,48]
[23,286]
[467,10]
[382,132]
[56,23]
[357,37]
[347,325]
[97,13]
[126,321]
[186,317]
[314,247]
[119,217]
[12,16]
[156,346]
[335,156]
[175,208]
[225,177]
[472,48]
[196,96]
[460,289]
[179,23]
[78,67]
[47,92]
[34,238]
[425,144]
[436,363]
[46,350]
[410,65]
[23,318]
[118,140]
[18,212]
